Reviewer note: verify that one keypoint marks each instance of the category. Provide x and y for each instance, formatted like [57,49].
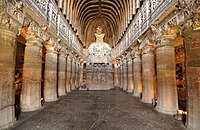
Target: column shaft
[50,79]
[148,77]
[73,75]
[125,76]
[62,75]
[77,75]
[192,60]
[115,76]
[137,70]
[7,78]
[121,76]
[81,75]
[68,73]
[166,80]
[32,75]
[130,76]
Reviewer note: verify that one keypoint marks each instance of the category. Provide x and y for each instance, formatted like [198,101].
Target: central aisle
[98,110]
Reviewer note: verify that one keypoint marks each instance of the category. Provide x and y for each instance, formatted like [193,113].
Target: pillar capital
[63,52]
[149,47]
[51,46]
[27,32]
[137,53]
[166,35]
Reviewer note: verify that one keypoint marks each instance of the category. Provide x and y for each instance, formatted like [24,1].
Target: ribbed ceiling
[112,15]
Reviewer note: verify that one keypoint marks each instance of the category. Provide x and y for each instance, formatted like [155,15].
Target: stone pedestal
[130,76]
[68,75]
[7,77]
[192,60]
[62,74]
[50,74]
[73,74]
[32,75]
[137,71]
[167,101]
[148,77]
[125,76]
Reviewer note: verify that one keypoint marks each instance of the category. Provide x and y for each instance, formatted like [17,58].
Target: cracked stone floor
[97,110]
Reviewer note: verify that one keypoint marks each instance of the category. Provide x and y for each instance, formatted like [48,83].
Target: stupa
[99,64]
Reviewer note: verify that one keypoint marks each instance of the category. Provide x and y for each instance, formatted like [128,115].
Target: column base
[73,87]
[146,101]
[136,95]
[8,125]
[31,109]
[51,100]
[69,91]
[129,91]
[166,112]
[7,117]
[61,94]
[124,89]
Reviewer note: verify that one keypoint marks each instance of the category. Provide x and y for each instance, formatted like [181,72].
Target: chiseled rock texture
[98,110]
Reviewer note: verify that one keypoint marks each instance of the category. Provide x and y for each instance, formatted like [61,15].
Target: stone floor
[97,110]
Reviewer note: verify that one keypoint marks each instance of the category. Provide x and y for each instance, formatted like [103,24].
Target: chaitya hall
[100,64]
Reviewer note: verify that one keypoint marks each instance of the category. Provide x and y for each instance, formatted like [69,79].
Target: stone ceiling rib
[117,14]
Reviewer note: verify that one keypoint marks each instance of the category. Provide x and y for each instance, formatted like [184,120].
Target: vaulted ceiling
[113,16]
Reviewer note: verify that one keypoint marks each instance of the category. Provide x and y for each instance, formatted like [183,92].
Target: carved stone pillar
[125,75]
[137,71]
[121,75]
[50,74]
[81,74]
[73,74]
[116,76]
[167,101]
[62,72]
[32,75]
[77,74]
[68,74]
[148,75]
[7,72]
[130,75]
[192,60]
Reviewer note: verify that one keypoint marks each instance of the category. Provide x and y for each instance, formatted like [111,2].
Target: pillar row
[148,75]
[167,101]
[50,74]
[137,70]
[32,75]
[62,73]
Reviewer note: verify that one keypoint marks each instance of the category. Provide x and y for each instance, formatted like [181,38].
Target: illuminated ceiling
[112,15]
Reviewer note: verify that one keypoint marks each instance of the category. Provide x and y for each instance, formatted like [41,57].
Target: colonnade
[151,66]
[61,72]
[152,72]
